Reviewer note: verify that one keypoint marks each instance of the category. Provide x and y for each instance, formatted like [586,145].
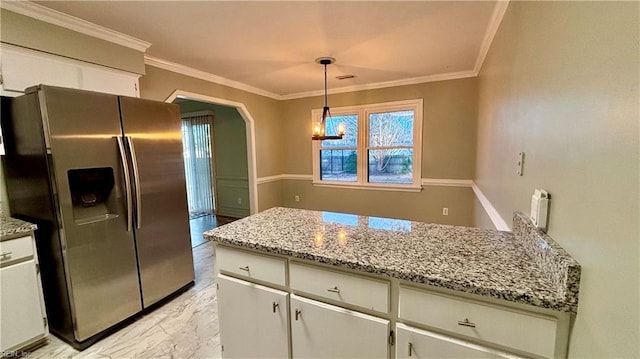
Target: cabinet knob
[466,323]
[275,306]
[334,289]
[298,313]
[245,268]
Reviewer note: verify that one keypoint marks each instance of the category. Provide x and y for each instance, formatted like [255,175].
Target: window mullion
[362,143]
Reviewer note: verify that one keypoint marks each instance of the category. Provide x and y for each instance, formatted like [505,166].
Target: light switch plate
[520,164]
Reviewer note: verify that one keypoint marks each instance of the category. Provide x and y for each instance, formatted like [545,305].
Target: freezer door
[98,251]
[153,131]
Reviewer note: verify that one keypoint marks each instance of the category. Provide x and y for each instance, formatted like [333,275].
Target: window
[381,145]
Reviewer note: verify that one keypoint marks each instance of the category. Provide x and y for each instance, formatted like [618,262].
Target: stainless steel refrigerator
[103,178]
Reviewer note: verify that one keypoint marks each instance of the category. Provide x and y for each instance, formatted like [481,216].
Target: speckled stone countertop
[472,260]
[9,227]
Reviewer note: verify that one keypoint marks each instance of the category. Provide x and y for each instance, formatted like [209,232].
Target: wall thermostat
[540,208]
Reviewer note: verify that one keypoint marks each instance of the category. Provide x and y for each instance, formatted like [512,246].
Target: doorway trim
[250,135]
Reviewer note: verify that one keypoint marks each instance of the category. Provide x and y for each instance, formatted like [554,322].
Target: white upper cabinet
[23,68]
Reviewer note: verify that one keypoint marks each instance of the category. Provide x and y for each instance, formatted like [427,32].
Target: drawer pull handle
[298,313]
[5,254]
[410,348]
[466,323]
[334,290]
[245,268]
[275,306]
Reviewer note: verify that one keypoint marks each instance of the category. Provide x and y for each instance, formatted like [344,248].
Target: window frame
[362,145]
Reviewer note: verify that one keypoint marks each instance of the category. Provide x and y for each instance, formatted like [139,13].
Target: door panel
[100,256]
[19,305]
[421,344]
[162,231]
[250,325]
[321,330]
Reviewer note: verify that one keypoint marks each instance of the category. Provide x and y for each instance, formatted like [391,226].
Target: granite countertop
[523,266]
[11,226]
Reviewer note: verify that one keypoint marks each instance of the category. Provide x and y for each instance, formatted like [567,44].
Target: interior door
[100,260]
[253,320]
[154,138]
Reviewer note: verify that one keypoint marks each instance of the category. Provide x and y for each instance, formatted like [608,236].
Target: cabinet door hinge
[135,86]
[37,268]
[392,338]
[217,286]
[222,346]
[1,79]
[44,321]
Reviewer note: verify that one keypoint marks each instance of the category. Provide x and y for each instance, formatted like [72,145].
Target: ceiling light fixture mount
[319,129]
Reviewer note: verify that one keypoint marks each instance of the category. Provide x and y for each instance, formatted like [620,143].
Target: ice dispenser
[92,194]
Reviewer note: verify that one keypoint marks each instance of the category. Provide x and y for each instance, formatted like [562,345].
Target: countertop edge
[506,295]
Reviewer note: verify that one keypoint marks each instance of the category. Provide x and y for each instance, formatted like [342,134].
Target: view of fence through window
[389,149]
[339,158]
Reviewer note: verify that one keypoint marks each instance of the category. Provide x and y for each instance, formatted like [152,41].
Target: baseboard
[492,212]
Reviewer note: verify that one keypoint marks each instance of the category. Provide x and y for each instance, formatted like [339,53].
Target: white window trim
[363,112]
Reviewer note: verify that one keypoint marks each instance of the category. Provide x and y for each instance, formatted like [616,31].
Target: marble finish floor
[185,327]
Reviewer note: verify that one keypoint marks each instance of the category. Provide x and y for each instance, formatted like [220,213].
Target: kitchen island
[415,277]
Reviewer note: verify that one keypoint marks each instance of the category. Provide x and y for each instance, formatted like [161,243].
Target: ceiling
[272,45]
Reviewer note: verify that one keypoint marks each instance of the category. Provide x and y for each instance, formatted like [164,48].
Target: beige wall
[561,84]
[449,125]
[270,195]
[449,142]
[28,32]
[425,206]
[159,84]
[480,217]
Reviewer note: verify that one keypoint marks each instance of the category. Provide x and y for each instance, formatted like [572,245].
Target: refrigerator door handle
[136,179]
[127,181]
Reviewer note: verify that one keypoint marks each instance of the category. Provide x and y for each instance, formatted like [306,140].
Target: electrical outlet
[239,200]
[445,211]
[297,198]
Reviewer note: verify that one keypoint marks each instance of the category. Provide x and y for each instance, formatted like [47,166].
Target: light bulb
[341,129]
[317,129]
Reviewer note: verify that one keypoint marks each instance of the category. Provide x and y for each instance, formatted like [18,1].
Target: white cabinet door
[21,314]
[319,330]
[109,81]
[253,320]
[22,68]
[420,344]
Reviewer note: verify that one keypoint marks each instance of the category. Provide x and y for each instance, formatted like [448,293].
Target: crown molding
[203,75]
[379,85]
[51,16]
[490,33]
[58,18]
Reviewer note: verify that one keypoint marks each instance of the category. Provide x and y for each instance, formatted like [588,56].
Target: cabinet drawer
[351,289]
[249,265]
[15,249]
[528,332]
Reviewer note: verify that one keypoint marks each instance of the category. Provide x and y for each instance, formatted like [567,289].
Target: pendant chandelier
[319,128]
